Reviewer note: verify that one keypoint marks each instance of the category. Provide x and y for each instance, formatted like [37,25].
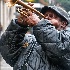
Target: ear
[63,24]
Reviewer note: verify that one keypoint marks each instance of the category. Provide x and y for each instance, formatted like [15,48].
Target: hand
[32,19]
[30,4]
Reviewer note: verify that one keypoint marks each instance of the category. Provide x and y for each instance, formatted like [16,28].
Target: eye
[46,15]
[51,15]
[55,17]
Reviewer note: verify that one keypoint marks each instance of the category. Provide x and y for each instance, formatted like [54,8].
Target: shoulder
[66,32]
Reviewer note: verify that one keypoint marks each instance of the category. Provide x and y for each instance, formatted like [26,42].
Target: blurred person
[44,2]
[0,28]
[46,49]
[0,37]
[69,13]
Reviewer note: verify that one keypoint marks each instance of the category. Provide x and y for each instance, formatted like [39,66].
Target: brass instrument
[11,3]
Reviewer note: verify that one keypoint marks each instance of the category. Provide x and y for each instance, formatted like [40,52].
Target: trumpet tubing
[22,12]
[11,3]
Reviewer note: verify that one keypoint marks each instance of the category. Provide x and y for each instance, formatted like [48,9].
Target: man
[42,51]
[53,35]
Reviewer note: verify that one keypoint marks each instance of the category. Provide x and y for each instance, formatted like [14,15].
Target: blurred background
[7,14]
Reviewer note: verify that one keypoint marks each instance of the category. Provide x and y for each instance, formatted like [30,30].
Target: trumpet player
[48,48]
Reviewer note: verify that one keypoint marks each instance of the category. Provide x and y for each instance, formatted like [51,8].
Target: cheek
[55,22]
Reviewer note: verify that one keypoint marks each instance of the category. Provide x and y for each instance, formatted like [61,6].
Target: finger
[30,4]
[31,22]
[30,13]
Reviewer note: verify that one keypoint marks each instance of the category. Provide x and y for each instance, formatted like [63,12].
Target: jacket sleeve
[55,43]
[10,47]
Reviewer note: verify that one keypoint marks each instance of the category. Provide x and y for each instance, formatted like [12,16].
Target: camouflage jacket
[17,53]
[47,49]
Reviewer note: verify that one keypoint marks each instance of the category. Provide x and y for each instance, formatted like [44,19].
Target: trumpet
[11,3]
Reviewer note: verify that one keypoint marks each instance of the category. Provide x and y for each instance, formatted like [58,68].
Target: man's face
[54,18]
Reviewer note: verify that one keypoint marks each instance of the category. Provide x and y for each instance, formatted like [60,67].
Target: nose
[49,18]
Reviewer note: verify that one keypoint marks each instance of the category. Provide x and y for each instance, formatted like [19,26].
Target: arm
[45,32]
[9,42]
[56,44]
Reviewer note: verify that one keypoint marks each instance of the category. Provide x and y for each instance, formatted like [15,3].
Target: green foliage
[35,1]
[60,1]
[65,4]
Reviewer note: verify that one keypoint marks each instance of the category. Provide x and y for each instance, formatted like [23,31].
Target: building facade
[6,14]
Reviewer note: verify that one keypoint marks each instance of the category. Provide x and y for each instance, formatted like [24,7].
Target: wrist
[20,23]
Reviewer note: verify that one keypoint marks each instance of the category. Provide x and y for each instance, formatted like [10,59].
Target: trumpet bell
[10,3]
